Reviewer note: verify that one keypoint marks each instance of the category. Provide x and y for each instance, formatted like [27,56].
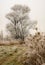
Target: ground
[32,52]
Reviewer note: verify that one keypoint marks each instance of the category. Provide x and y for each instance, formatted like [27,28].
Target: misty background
[37,12]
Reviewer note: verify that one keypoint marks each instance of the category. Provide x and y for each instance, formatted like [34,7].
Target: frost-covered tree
[20,22]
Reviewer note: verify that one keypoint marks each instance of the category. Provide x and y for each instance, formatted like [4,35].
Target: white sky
[37,11]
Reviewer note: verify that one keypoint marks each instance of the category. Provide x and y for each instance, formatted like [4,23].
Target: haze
[37,11]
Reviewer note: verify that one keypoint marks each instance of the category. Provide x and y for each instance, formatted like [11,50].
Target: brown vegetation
[32,52]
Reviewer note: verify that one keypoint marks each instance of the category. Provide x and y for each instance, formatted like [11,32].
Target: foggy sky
[37,11]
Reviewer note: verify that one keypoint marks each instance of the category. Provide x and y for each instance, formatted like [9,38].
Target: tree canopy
[20,22]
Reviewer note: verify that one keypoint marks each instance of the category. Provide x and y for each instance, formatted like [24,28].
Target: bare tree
[1,35]
[20,22]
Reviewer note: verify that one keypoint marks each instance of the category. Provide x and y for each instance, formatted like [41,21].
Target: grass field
[30,53]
